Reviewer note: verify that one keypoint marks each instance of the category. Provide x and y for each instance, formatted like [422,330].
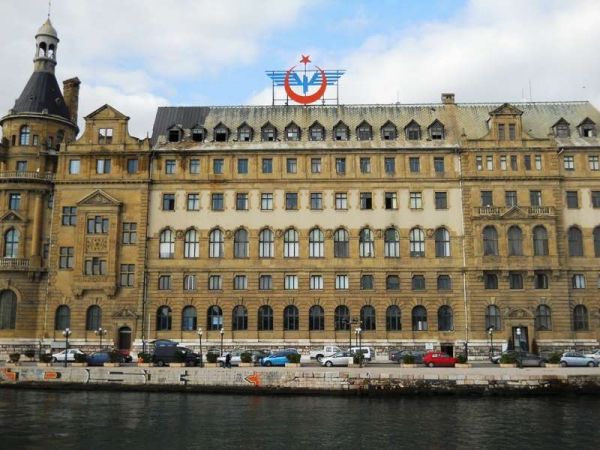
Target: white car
[337,359]
[60,357]
[328,350]
[595,355]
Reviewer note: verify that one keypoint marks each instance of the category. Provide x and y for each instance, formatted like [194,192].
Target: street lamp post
[200,341]
[518,338]
[222,333]
[491,334]
[100,332]
[359,337]
[66,334]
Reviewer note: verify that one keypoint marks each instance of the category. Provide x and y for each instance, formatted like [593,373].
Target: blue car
[99,358]
[277,358]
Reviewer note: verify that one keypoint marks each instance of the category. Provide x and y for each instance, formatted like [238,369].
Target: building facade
[424,226]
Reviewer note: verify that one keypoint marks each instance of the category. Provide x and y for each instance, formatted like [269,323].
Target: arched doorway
[124,338]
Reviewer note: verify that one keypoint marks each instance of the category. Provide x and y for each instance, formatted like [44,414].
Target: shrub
[508,358]
[294,358]
[80,358]
[115,356]
[358,358]
[408,359]
[14,357]
[554,358]
[179,356]
[30,353]
[46,358]
[461,359]
[246,357]
[144,357]
[211,357]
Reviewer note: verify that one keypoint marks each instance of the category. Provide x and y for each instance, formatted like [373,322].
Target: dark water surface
[116,420]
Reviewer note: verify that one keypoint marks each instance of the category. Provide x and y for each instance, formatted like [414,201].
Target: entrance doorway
[520,338]
[447,348]
[124,338]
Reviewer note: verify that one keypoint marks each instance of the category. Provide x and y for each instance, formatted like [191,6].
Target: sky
[137,55]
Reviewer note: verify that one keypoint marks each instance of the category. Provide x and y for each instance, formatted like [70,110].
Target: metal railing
[47,176]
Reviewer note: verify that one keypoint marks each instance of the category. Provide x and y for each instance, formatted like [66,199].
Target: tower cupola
[46,43]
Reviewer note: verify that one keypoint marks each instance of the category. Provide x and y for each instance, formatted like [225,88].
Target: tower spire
[46,44]
[49,8]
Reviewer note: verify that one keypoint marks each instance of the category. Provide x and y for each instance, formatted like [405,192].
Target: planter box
[463,366]
[176,364]
[508,366]
[78,364]
[292,364]
[211,365]
[408,366]
[246,364]
[144,364]
[40,364]
[552,365]
[112,364]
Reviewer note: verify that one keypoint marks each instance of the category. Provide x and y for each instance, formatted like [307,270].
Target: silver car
[595,355]
[573,359]
[338,359]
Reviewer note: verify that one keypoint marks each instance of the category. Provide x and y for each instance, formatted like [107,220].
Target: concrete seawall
[258,380]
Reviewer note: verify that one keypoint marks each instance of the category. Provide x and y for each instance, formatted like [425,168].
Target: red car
[438,359]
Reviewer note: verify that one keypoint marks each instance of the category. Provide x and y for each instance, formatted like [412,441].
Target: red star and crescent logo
[305,83]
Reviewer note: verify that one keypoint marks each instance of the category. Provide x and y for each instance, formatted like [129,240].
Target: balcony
[10,264]
[28,176]
[503,211]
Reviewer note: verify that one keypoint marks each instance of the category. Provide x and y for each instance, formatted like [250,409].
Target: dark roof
[42,93]
[185,116]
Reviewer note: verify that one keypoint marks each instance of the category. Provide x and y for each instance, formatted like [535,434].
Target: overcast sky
[140,54]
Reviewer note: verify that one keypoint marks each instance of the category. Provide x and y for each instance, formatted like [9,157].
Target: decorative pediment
[106,112]
[12,217]
[520,313]
[125,313]
[515,213]
[98,198]
[506,110]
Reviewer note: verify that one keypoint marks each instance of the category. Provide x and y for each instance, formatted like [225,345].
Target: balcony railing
[22,175]
[498,211]
[540,211]
[490,211]
[14,264]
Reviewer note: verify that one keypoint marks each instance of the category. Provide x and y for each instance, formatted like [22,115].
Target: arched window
[291,244]
[8,310]
[163,318]
[341,318]
[265,244]
[597,242]
[239,318]
[540,241]
[189,319]
[417,243]
[393,318]
[575,242]
[216,245]
[291,318]
[62,318]
[391,247]
[265,318]
[341,244]
[442,243]
[515,241]
[191,245]
[24,134]
[42,49]
[316,243]
[240,244]
[580,318]
[543,318]
[167,244]
[316,318]
[445,318]
[419,318]
[214,318]
[93,318]
[492,318]
[366,243]
[367,317]
[11,243]
[490,241]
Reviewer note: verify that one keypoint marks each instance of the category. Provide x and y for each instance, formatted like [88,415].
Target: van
[165,354]
[367,351]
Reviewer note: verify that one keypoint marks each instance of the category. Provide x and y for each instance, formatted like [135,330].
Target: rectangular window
[132,166]
[189,282]
[69,216]
[214,283]
[217,202]
[572,199]
[441,200]
[489,162]
[340,166]
[14,201]
[315,165]
[164,282]
[501,132]
[594,162]
[527,162]
[193,202]
[569,162]
[127,275]
[514,165]
[366,282]
[490,280]
[95,266]
[535,198]
[416,200]
[365,165]
[194,166]
[316,282]
[444,283]
[503,162]
[418,283]
[538,162]
[540,280]
[341,200]
[316,200]
[479,162]
[265,282]
[595,199]
[515,280]
[74,166]
[392,283]
[103,166]
[366,200]
[438,164]
[242,166]
[241,201]
[291,165]
[168,202]
[129,235]
[240,282]
[578,281]
[290,282]
[267,165]
[105,135]
[414,163]
[390,165]
[487,198]
[291,201]
[97,225]
[391,200]
[266,201]
[512,131]
[341,281]
[510,198]
[170,166]
[67,256]
[21,166]
[218,166]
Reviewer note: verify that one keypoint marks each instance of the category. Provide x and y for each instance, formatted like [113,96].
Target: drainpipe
[464,255]
[145,280]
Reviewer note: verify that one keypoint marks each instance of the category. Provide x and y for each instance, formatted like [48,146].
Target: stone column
[36,236]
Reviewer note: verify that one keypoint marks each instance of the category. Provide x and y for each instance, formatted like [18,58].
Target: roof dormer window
[364,132]
[389,132]
[316,132]
[221,133]
[269,133]
[413,131]
[587,128]
[341,132]
[245,133]
[198,134]
[561,129]
[292,132]
[436,130]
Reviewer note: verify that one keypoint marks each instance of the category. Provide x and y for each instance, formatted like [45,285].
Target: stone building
[425,226]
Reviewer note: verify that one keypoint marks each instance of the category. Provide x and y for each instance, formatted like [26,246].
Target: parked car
[126,355]
[328,350]
[399,355]
[99,358]
[438,359]
[165,354]
[277,358]
[367,351]
[60,356]
[236,356]
[573,359]
[595,355]
[338,359]
[524,359]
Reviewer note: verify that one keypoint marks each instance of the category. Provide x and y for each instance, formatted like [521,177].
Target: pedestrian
[228,360]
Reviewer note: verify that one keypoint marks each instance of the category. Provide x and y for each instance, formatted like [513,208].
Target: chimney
[71,95]
[448,99]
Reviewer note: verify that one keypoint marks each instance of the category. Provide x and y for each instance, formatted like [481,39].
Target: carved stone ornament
[96,244]
[228,234]
[279,233]
[429,232]
[329,233]
[179,234]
